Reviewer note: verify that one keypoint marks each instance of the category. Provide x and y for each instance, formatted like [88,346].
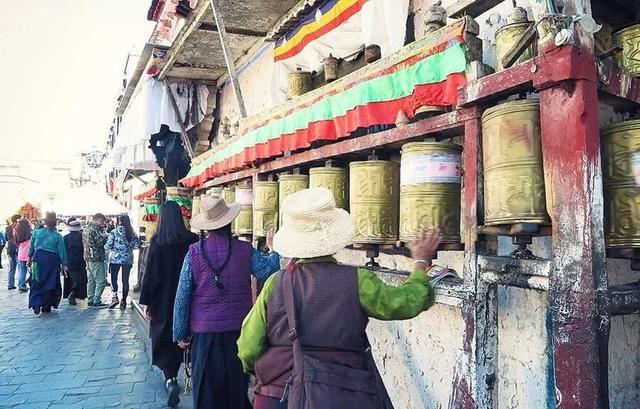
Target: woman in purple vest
[158,291]
[333,302]
[214,296]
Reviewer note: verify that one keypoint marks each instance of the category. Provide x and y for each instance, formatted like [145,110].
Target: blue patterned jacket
[121,249]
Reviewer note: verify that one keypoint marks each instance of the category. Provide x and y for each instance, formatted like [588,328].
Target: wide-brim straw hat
[214,214]
[313,226]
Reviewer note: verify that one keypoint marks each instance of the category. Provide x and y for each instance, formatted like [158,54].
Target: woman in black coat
[75,284]
[158,292]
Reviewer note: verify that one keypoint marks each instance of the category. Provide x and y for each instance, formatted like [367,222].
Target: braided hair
[226,231]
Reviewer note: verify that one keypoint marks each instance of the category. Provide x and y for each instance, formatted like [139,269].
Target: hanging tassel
[188,386]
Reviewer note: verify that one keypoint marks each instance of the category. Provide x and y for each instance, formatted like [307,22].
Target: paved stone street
[74,357]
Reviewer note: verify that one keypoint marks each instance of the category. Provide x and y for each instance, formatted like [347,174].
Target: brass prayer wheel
[215,191]
[512,154]
[244,222]
[629,58]
[265,207]
[229,196]
[508,35]
[374,195]
[299,83]
[430,190]
[372,53]
[290,184]
[330,68]
[195,206]
[334,179]
[621,196]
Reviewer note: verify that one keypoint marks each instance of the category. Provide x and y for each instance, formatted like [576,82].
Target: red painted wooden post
[474,383]
[571,153]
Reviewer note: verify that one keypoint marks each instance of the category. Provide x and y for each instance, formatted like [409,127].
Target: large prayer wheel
[373,196]
[150,218]
[265,207]
[513,175]
[629,40]
[430,190]
[215,191]
[334,179]
[621,196]
[244,222]
[290,184]
[229,196]
[508,35]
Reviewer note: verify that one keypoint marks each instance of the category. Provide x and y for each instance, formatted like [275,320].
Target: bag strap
[289,303]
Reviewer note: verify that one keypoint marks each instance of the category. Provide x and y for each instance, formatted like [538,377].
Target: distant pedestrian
[22,237]
[213,298]
[93,239]
[46,254]
[120,245]
[12,252]
[76,284]
[3,242]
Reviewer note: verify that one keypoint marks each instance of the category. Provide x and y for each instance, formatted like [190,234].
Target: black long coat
[158,291]
[77,267]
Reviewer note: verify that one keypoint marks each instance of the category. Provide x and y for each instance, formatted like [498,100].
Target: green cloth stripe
[431,70]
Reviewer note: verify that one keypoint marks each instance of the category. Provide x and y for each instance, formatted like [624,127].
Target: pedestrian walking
[47,253]
[213,298]
[158,291]
[3,243]
[76,284]
[120,245]
[22,237]
[93,240]
[312,317]
[12,252]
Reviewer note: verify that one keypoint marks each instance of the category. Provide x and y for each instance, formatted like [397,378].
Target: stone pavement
[74,357]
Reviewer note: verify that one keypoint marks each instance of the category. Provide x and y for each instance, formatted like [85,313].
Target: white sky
[61,64]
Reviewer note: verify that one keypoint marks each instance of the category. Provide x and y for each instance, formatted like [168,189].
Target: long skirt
[165,354]
[45,290]
[76,283]
[267,402]
[218,379]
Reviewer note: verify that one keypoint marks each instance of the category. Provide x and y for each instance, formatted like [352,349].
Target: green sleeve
[32,244]
[253,336]
[386,302]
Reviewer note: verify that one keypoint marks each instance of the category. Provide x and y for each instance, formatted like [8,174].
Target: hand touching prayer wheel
[265,207]
[620,143]
[512,156]
[373,197]
[430,190]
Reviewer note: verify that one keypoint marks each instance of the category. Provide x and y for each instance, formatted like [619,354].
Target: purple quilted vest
[214,309]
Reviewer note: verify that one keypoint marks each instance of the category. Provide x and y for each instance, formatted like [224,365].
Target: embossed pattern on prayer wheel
[244,222]
[299,83]
[373,196]
[215,192]
[290,184]
[629,58]
[507,37]
[621,196]
[265,207]
[334,179]
[229,196]
[430,190]
[512,154]
[195,207]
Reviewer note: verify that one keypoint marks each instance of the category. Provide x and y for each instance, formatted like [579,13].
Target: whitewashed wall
[417,357]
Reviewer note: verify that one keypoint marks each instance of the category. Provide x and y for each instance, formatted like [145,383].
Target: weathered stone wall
[417,358]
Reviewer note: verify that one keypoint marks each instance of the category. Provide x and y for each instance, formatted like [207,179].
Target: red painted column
[571,153]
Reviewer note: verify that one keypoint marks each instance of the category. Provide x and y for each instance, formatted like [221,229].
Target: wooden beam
[206,26]
[526,39]
[228,56]
[186,142]
[473,8]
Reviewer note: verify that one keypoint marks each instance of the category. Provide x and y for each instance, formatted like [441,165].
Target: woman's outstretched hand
[425,247]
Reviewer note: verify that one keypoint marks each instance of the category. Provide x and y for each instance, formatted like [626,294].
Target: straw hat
[214,214]
[74,225]
[312,225]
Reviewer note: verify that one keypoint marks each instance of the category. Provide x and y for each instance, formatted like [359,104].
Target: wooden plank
[474,378]
[228,57]
[473,8]
[574,188]
[510,265]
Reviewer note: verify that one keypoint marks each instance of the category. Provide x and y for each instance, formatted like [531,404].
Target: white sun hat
[312,225]
[214,214]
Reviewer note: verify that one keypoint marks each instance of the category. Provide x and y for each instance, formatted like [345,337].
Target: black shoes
[114,302]
[99,305]
[23,290]
[36,310]
[123,304]
[13,287]
[46,310]
[72,300]
[173,392]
